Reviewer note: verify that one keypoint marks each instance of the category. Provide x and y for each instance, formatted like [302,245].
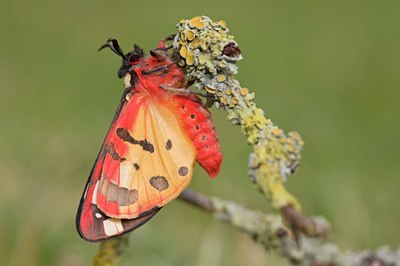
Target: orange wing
[148,163]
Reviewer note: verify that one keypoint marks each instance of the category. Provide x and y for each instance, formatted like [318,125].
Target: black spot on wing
[132,197]
[123,134]
[111,150]
[147,146]
[168,145]
[137,167]
[183,170]
[127,197]
[159,182]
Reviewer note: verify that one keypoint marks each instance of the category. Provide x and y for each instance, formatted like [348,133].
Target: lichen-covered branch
[209,55]
[300,222]
[270,231]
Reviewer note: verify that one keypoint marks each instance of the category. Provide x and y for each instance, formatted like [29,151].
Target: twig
[305,224]
[270,231]
[197,199]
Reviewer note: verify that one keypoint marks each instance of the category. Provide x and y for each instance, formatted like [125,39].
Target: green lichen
[209,55]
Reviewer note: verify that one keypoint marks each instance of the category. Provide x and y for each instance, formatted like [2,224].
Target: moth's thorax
[151,74]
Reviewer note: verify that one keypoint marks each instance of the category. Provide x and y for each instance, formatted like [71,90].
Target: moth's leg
[155,70]
[161,52]
[182,91]
[209,101]
[161,47]
[189,83]
[161,44]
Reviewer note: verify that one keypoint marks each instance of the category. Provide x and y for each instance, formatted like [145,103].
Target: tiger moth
[146,160]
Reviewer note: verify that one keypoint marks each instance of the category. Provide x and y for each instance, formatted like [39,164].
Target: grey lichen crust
[200,43]
[209,55]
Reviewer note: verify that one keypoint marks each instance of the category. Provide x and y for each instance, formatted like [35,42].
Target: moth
[159,131]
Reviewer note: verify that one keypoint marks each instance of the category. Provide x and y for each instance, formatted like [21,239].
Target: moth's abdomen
[200,128]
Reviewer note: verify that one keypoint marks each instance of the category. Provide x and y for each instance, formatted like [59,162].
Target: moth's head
[134,57]
[157,63]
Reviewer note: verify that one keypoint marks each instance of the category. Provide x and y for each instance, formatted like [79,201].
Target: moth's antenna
[114,46]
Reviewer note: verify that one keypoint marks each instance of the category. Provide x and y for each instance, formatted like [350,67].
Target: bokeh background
[328,69]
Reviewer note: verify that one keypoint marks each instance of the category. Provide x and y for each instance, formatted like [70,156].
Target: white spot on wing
[125,173]
[98,215]
[94,196]
[112,226]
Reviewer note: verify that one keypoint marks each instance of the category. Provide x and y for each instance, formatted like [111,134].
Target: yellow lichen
[202,60]
[222,23]
[190,35]
[277,132]
[183,51]
[221,78]
[243,91]
[222,64]
[190,58]
[194,21]
[183,36]
[202,44]
[210,89]
[192,45]
[290,148]
[199,25]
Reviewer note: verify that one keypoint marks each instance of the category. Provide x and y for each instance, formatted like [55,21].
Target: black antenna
[114,46]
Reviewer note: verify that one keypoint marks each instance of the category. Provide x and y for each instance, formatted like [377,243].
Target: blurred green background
[328,69]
